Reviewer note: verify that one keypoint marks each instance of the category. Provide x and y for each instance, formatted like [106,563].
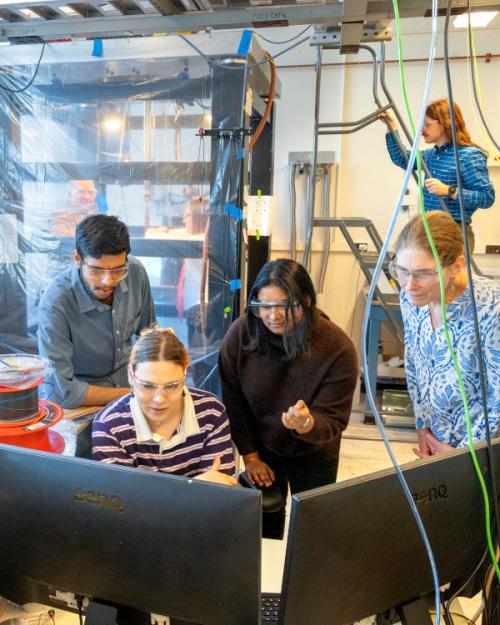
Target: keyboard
[269,608]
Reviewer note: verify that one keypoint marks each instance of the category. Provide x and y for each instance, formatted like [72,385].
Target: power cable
[242,66]
[269,105]
[472,66]
[474,85]
[286,40]
[371,292]
[447,605]
[35,73]
[479,351]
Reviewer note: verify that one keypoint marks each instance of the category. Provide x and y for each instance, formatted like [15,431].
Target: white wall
[368,183]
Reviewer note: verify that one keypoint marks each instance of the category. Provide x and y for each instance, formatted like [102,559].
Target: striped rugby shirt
[477,189]
[116,438]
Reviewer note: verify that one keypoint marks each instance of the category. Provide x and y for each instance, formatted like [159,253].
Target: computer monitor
[354,548]
[151,541]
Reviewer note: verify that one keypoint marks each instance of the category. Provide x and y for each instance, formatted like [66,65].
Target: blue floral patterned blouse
[431,377]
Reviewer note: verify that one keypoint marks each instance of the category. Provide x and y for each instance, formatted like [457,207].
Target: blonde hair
[158,344]
[446,233]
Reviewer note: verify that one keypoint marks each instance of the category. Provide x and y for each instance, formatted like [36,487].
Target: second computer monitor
[354,548]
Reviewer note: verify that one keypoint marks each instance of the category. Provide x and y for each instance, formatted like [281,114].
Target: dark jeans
[301,473]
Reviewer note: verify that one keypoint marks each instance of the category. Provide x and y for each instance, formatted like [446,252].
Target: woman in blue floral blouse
[431,376]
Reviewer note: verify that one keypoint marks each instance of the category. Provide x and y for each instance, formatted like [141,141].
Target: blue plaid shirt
[477,189]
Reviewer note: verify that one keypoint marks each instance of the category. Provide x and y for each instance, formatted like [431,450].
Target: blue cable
[369,301]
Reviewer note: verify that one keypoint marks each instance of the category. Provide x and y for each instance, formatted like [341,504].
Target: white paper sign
[259,214]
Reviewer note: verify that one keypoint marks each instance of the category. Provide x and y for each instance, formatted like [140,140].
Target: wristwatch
[452,189]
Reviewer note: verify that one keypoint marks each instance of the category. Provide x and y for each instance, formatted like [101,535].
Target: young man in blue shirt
[90,313]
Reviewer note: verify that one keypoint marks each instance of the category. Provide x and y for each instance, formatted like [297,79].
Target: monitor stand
[101,614]
[413,613]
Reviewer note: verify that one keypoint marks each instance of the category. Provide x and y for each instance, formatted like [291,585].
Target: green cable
[458,372]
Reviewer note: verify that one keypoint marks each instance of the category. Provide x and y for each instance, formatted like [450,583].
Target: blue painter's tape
[102,205]
[233,211]
[245,41]
[235,285]
[97,49]
[240,154]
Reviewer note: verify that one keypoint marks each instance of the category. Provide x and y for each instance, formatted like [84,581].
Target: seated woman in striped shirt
[163,425]
[477,189]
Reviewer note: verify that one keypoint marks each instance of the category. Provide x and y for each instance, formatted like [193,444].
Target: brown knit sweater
[257,388]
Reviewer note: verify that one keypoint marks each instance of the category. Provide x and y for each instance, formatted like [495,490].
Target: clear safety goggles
[261,307]
[116,272]
[402,275]
[150,389]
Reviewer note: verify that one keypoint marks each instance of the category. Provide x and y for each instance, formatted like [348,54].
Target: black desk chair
[272,497]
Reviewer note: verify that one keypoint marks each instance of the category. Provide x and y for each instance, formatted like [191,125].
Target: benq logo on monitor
[430,494]
[99,499]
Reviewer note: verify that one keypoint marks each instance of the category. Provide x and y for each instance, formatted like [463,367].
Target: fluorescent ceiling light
[29,13]
[479,19]
[67,10]
[14,2]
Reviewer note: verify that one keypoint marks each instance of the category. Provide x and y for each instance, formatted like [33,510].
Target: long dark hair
[292,277]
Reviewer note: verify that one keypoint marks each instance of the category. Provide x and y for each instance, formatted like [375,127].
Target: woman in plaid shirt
[477,189]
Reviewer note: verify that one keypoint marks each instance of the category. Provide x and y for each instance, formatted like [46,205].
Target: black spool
[19,406]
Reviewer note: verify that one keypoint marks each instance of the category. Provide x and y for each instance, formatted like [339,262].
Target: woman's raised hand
[298,418]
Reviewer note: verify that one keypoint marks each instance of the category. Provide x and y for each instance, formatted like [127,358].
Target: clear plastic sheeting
[22,371]
[119,135]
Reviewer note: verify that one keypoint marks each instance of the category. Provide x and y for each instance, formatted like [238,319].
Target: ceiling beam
[330,13]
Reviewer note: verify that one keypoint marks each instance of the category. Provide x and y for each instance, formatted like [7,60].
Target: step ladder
[367,261]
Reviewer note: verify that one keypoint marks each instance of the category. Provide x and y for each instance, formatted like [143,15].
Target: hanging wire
[470,67]
[285,41]
[35,73]
[479,351]
[474,81]
[371,293]
[241,65]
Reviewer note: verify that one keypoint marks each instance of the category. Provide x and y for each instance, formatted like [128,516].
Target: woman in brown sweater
[288,375]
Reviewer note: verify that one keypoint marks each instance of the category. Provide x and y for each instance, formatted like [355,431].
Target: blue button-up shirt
[89,342]
[430,374]
[477,189]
